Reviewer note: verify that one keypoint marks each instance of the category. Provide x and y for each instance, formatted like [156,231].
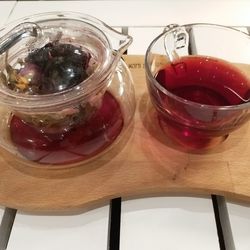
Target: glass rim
[180,99]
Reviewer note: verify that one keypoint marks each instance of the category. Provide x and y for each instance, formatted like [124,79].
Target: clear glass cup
[65,93]
[198,81]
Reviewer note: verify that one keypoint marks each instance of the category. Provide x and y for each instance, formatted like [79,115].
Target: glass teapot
[65,93]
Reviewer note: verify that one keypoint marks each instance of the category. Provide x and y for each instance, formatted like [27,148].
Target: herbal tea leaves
[53,68]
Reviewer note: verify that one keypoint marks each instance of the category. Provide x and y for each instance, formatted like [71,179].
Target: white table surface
[239,216]
[88,230]
[173,223]
[147,13]
[155,223]
[5,10]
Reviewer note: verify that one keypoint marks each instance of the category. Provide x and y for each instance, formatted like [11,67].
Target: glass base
[78,144]
[189,139]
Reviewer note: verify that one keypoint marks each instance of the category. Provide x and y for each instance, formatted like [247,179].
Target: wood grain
[143,163]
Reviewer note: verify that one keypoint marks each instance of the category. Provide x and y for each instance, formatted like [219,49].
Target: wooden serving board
[144,163]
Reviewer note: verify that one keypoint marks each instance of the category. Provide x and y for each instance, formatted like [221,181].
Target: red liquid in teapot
[79,143]
[202,80]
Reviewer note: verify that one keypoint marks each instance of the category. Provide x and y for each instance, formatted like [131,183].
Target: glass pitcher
[65,93]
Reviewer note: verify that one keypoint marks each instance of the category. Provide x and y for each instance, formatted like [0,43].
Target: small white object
[1,213]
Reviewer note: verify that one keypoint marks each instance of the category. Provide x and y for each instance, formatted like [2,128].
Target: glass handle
[18,33]
[176,39]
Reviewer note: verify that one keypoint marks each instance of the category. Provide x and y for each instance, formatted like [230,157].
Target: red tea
[79,143]
[202,80]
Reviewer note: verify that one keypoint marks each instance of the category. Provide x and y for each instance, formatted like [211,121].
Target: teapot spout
[121,42]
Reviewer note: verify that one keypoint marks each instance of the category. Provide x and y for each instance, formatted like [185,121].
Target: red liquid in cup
[79,143]
[202,80]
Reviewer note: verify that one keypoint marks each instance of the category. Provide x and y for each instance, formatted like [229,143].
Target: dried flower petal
[3,78]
